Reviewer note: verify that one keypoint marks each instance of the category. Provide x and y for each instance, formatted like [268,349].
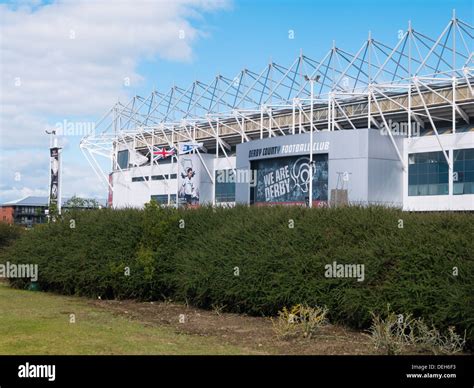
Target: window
[225,186]
[165,161]
[428,174]
[122,159]
[161,177]
[153,178]
[463,174]
[162,199]
[139,178]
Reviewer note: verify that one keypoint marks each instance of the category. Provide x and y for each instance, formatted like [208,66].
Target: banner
[54,182]
[189,170]
[286,180]
[186,148]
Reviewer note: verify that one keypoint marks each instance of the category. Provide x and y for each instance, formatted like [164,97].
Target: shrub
[432,340]
[257,260]
[299,320]
[392,334]
[8,233]
[398,333]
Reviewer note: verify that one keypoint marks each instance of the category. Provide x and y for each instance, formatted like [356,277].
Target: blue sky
[78,79]
[253,32]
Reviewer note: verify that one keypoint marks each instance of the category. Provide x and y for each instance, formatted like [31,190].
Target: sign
[54,176]
[286,180]
[288,149]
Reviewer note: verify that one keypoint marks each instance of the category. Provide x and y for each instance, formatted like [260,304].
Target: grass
[33,323]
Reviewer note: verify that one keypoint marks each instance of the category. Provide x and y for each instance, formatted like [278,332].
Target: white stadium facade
[387,125]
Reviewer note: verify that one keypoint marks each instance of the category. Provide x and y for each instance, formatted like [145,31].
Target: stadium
[386,125]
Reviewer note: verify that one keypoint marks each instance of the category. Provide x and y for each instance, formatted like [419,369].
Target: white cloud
[27,173]
[15,193]
[70,58]
[23,173]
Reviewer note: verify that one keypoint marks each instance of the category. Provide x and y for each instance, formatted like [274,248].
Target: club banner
[186,148]
[286,180]
[54,183]
[189,180]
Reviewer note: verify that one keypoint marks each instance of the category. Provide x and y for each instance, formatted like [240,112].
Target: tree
[78,202]
[53,212]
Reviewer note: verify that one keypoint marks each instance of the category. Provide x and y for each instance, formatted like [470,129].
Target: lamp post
[311,81]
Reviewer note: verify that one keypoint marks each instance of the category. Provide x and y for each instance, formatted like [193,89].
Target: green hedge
[8,233]
[192,255]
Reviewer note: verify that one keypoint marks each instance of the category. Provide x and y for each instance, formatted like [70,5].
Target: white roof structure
[423,80]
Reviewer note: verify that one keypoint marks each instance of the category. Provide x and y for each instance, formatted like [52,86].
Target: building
[27,211]
[396,131]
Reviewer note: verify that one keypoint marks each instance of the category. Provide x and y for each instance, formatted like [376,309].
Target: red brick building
[6,214]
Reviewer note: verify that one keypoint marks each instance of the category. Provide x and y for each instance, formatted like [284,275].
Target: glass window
[162,199]
[428,174]
[154,178]
[225,186]
[139,178]
[164,161]
[463,174]
[162,178]
[122,159]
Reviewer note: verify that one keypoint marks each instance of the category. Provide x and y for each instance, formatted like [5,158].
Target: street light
[311,81]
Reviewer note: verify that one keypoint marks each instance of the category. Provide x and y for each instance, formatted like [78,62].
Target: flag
[186,148]
[161,153]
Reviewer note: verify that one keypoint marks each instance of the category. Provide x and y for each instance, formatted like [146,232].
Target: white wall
[136,194]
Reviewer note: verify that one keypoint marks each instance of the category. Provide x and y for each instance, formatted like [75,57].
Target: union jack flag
[161,153]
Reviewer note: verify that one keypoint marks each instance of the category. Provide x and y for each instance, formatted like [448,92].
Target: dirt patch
[254,334]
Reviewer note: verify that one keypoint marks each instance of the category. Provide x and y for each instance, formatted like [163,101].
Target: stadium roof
[419,80]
